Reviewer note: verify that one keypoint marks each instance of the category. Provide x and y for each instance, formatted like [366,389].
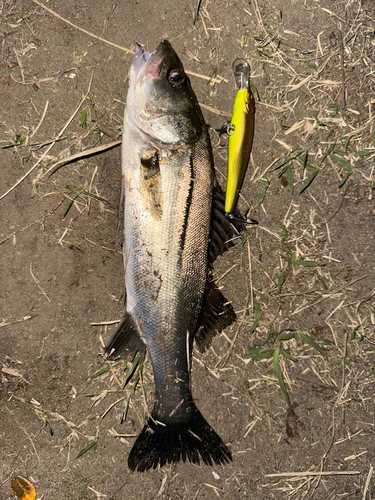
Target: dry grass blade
[93,242]
[39,124]
[41,220]
[367,485]
[317,473]
[305,311]
[7,323]
[38,283]
[223,361]
[214,110]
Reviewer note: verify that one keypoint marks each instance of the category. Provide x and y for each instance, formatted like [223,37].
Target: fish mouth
[140,59]
[153,60]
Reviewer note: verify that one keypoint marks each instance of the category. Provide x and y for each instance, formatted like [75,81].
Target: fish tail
[192,440]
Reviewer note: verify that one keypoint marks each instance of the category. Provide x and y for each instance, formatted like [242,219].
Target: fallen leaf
[23,488]
[309,128]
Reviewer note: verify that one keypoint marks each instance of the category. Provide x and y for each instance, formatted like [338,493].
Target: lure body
[239,144]
[240,133]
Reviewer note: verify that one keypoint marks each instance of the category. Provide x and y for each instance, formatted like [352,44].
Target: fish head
[161,104]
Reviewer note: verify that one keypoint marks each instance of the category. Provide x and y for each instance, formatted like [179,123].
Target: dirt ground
[308,267]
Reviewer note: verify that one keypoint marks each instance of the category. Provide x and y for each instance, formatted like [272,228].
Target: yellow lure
[240,139]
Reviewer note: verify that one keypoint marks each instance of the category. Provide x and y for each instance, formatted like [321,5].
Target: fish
[174,228]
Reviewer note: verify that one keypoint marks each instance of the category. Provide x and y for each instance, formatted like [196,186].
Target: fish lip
[153,60]
[140,58]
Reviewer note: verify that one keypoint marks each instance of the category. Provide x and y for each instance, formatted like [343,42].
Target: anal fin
[125,339]
[216,314]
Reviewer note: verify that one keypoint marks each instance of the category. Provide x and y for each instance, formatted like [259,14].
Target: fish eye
[176,77]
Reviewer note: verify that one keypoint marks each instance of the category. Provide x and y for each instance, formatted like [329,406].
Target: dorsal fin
[221,228]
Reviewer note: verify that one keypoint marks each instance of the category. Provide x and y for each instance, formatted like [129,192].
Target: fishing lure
[240,133]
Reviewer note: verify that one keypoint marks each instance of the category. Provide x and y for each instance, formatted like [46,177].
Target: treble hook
[241,221]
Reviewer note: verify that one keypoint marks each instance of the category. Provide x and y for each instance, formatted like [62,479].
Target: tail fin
[160,443]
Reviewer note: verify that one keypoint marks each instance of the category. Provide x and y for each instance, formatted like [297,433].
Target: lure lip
[241,72]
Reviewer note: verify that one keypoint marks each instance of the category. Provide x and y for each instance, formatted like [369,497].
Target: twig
[53,143]
[55,167]
[105,323]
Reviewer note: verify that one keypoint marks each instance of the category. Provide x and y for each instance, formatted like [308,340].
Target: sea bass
[174,227]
